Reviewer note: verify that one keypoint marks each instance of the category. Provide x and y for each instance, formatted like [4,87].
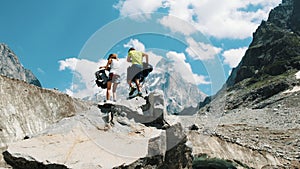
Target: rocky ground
[95,139]
[273,131]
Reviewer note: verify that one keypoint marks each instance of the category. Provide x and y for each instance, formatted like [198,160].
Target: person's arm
[147,57]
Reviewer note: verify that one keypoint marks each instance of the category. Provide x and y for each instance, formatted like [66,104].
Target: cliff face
[272,59]
[275,48]
[11,67]
[258,107]
[27,109]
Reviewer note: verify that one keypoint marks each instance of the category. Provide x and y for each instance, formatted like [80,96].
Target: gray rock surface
[27,109]
[11,67]
[258,107]
[83,141]
[112,144]
[150,110]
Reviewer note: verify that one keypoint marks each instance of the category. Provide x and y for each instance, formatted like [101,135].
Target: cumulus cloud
[234,56]
[68,63]
[185,69]
[177,25]
[223,19]
[236,19]
[135,43]
[83,76]
[200,50]
[137,9]
[138,45]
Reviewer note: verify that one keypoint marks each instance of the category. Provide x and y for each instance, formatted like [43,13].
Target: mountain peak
[10,66]
[275,48]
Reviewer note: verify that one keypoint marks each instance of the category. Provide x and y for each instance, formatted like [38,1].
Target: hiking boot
[139,94]
[132,90]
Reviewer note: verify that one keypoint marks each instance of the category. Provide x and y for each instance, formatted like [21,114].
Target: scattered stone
[194,127]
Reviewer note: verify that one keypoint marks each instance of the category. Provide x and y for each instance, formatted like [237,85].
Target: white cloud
[220,19]
[137,9]
[83,76]
[200,50]
[230,18]
[135,43]
[234,56]
[177,25]
[68,63]
[185,69]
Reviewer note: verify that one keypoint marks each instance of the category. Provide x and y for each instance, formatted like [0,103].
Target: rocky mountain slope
[258,107]
[272,59]
[11,67]
[27,109]
[179,93]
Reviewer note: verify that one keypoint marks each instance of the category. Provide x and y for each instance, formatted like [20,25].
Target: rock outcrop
[271,60]
[179,93]
[257,108]
[27,109]
[11,67]
[119,142]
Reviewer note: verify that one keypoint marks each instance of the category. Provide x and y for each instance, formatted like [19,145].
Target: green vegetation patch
[204,162]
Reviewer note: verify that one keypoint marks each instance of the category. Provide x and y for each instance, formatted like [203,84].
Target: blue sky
[60,39]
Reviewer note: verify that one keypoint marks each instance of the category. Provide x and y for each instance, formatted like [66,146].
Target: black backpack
[147,68]
[101,78]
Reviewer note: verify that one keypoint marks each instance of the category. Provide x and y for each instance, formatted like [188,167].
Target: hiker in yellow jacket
[135,72]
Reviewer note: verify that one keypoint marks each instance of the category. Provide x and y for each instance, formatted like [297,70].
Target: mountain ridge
[258,105]
[10,66]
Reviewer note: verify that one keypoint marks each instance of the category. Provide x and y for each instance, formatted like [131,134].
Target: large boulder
[83,141]
[150,110]
[91,140]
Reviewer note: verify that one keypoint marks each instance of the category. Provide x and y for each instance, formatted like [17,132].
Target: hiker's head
[112,56]
[130,49]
